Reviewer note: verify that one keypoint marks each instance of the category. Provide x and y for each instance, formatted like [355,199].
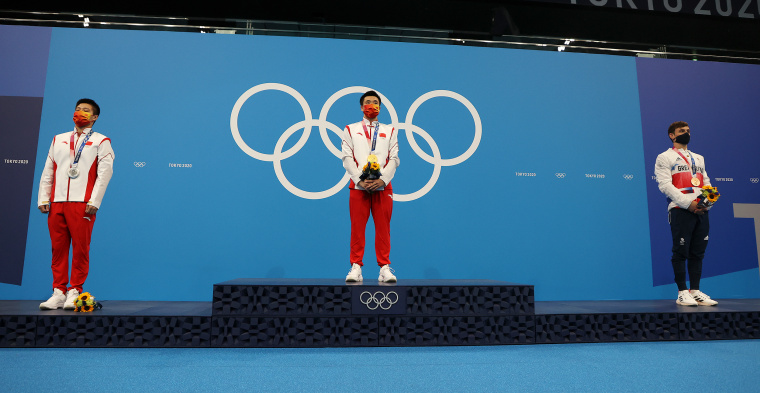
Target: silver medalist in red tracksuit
[68,223]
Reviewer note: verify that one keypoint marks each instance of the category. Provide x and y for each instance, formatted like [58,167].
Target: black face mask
[683,139]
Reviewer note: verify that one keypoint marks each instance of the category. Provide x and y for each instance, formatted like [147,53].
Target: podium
[332,313]
[254,312]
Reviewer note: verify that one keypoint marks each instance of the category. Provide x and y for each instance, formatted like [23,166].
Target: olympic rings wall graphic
[278,155]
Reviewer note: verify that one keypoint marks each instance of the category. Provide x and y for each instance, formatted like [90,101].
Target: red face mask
[81,118]
[371,110]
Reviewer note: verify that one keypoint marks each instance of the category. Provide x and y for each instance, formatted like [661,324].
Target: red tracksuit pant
[70,227]
[360,205]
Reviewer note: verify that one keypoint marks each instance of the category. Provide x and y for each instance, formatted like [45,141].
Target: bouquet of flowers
[708,197]
[86,303]
[371,169]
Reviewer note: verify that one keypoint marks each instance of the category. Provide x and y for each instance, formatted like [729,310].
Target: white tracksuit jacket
[356,149]
[95,166]
[674,177]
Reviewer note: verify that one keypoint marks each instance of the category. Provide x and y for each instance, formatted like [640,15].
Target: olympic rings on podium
[378,299]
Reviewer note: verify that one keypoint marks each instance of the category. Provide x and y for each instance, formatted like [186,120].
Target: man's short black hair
[368,94]
[678,124]
[95,107]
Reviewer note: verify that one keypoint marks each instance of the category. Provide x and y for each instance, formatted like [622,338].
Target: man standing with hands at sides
[77,171]
[363,142]
[681,175]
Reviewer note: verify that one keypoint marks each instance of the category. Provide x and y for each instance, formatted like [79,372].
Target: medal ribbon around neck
[692,168]
[374,137]
[75,159]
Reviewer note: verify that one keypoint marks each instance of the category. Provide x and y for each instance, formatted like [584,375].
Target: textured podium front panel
[464,330]
[470,300]
[124,331]
[17,330]
[719,326]
[281,300]
[748,324]
[294,332]
[334,298]
[578,328]
[72,331]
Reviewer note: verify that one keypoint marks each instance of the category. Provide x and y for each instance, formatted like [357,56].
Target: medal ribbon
[692,167]
[75,159]
[374,137]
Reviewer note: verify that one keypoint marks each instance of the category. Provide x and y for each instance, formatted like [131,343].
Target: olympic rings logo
[139,164]
[323,125]
[628,177]
[754,180]
[378,299]
[560,175]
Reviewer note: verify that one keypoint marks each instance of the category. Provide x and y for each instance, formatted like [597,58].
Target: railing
[396,34]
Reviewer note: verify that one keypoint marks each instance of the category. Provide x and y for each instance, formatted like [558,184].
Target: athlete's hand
[696,209]
[375,184]
[90,209]
[44,208]
[368,185]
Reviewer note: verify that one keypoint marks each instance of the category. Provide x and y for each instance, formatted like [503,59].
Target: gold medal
[695,181]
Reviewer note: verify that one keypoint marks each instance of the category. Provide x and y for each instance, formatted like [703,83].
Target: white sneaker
[71,297]
[55,302]
[701,298]
[355,275]
[685,299]
[386,274]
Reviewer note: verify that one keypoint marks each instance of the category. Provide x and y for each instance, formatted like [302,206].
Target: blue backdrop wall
[525,166]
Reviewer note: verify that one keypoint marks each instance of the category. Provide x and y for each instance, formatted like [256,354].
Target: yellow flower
[88,308]
[84,296]
[375,166]
[712,197]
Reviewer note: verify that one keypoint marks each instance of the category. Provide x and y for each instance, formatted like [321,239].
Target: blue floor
[706,366]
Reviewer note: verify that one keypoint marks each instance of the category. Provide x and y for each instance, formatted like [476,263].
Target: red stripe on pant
[70,227]
[360,205]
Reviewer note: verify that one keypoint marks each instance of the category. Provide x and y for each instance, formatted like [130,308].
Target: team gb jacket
[674,175]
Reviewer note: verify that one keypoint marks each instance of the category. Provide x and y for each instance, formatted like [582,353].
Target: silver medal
[73,172]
